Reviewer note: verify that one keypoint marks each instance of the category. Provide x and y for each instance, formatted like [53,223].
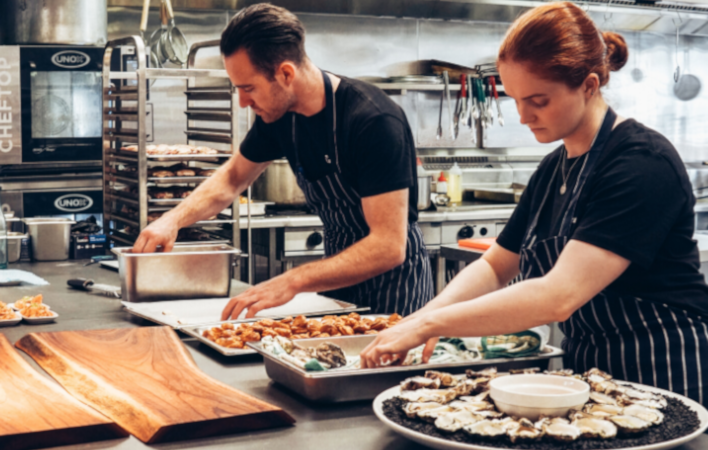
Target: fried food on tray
[26,301]
[6,313]
[231,335]
[36,310]
[179,149]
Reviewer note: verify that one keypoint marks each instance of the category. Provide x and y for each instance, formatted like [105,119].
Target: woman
[602,236]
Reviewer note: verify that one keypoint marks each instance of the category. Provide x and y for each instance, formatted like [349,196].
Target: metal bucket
[424,184]
[278,184]
[50,238]
[14,245]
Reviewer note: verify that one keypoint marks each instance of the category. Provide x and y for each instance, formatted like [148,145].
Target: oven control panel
[454,231]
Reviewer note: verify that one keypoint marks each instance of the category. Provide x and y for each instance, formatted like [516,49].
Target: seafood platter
[230,338]
[448,411]
[326,370]
[30,309]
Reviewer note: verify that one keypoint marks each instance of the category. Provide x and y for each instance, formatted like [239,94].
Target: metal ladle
[154,58]
[173,43]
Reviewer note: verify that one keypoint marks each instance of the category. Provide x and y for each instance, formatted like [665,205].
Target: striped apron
[635,340]
[403,289]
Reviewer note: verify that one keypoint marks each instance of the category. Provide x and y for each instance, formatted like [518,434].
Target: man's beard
[280,103]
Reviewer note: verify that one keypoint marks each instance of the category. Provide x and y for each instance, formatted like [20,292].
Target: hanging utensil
[493,82]
[470,102]
[173,42]
[446,80]
[440,130]
[154,58]
[155,37]
[677,72]
[458,111]
[475,99]
[464,109]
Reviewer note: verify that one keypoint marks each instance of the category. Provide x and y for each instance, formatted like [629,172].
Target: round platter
[445,444]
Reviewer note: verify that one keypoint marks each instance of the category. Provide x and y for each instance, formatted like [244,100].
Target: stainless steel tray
[345,385]
[196,332]
[180,314]
[187,272]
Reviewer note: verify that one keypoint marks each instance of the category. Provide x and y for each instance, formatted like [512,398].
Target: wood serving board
[35,412]
[146,380]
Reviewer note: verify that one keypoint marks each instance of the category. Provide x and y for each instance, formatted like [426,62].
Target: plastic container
[454,185]
[441,197]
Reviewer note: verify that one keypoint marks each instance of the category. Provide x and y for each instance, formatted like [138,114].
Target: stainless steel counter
[342,426]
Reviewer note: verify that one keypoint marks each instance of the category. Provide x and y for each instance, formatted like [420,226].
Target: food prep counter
[341,426]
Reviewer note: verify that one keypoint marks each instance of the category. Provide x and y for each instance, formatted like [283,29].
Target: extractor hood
[691,18]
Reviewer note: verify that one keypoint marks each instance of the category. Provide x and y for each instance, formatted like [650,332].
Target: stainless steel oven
[50,104]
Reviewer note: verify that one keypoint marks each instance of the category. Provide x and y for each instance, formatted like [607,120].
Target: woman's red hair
[561,43]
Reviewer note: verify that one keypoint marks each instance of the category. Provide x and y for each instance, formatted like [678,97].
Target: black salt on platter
[679,420]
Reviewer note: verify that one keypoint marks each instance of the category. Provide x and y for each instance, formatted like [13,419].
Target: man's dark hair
[269,34]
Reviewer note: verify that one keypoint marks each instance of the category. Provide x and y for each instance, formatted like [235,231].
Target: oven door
[61,103]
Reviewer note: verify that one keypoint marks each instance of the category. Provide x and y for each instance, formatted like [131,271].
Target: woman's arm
[582,271]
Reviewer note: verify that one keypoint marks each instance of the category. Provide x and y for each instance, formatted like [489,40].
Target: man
[352,151]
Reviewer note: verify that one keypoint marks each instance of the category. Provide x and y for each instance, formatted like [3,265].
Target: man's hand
[162,232]
[274,292]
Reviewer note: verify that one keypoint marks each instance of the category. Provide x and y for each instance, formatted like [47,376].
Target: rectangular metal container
[14,245]
[335,386]
[50,238]
[187,272]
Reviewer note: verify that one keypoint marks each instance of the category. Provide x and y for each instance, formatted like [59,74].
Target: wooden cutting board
[147,382]
[35,412]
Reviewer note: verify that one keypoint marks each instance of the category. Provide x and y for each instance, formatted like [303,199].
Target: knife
[83,284]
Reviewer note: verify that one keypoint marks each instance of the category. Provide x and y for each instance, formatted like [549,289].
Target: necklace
[564,186]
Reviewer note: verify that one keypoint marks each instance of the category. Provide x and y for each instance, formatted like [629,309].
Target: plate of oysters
[446,411]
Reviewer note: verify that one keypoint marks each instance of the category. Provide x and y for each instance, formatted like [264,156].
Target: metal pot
[424,184]
[278,184]
[73,22]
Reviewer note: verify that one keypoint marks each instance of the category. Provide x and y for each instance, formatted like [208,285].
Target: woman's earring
[592,93]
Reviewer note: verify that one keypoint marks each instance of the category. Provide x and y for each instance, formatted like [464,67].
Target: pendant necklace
[564,186]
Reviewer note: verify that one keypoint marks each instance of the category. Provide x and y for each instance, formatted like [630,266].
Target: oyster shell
[489,428]
[472,406]
[597,374]
[653,416]
[525,430]
[603,411]
[431,415]
[483,397]
[411,384]
[602,399]
[454,421]
[560,373]
[331,354]
[630,424]
[466,387]
[655,403]
[561,430]
[413,408]
[606,387]
[490,413]
[445,379]
[526,371]
[489,372]
[429,395]
[635,394]
[595,428]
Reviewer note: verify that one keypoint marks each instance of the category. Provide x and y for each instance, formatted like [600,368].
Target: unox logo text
[71,59]
[73,203]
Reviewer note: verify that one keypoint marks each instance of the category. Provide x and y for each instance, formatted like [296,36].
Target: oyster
[454,421]
[525,430]
[597,375]
[411,384]
[489,372]
[655,403]
[560,373]
[595,428]
[635,394]
[331,354]
[445,379]
[602,399]
[472,406]
[603,411]
[528,370]
[431,415]
[653,416]
[490,413]
[466,387]
[606,387]
[561,430]
[489,428]
[443,396]
[483,397]
[413,408]
[630,424]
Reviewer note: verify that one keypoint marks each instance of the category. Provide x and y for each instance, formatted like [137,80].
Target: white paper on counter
[180,313]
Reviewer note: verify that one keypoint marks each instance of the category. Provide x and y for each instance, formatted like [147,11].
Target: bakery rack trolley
[127,204]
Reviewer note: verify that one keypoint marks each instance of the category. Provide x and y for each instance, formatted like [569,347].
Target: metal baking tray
[180,314]
[196,332]
[187,272]
[346,385]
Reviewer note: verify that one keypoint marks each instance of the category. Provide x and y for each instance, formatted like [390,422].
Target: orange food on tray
[24,302]
[477,243]
[6,313]
[231,335]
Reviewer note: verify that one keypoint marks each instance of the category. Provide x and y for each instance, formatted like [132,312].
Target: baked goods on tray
[167,150]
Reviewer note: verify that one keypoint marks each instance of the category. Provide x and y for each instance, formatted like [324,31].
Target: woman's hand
[395,342]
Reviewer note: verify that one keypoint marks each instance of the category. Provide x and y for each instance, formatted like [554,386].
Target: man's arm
[382,250]
[210,198]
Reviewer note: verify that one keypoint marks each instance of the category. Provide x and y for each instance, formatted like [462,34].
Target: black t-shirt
[375,143]
[638,204]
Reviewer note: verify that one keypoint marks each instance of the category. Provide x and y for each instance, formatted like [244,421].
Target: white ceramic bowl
[534,395]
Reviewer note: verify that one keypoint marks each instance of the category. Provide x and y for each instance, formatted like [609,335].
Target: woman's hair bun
[617,52]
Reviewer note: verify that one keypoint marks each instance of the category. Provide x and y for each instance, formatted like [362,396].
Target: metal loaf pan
[364,384]
[187,272]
